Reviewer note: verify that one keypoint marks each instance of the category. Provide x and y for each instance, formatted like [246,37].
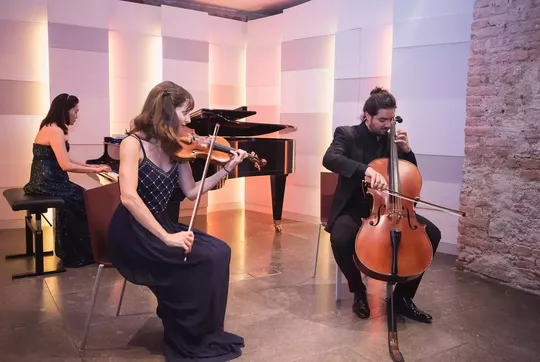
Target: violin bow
[205,171]
[397,194]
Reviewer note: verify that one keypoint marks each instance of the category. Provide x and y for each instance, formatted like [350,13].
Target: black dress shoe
[406,308]
[360,305]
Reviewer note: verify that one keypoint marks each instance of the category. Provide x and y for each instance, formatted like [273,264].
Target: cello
[391,245]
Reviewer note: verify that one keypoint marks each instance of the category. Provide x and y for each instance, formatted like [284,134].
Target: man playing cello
[349,154]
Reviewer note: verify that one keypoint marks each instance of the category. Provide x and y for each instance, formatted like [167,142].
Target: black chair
[329,182]
[35,205]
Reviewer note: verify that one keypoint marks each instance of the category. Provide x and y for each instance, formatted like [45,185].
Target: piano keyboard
[111,176]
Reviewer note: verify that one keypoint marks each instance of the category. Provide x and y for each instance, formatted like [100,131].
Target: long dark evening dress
[192,294]
[72,238]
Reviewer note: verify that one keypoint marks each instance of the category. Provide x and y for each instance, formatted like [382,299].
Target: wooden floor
[274,303]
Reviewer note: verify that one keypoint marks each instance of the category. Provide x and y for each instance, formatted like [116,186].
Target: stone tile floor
[283,313]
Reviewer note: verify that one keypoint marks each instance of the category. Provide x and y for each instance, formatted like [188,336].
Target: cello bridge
[395,214]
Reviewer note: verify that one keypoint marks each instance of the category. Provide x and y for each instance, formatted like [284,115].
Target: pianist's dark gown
[192,294]
[72,236]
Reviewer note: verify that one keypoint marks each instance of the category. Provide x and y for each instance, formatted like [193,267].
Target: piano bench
[33,205]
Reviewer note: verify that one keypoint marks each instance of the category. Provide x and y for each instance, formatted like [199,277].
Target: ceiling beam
[222,12]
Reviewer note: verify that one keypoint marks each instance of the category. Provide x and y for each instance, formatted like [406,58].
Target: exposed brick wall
[500,237]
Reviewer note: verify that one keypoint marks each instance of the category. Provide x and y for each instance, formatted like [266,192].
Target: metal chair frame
[93,303]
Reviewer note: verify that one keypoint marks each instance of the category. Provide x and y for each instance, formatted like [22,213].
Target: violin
[195,146]
[391,245]
[215,150]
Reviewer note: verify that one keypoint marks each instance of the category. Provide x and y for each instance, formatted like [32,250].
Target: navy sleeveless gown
[72,238]
[192,294]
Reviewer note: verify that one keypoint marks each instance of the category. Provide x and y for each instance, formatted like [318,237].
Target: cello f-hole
[378,217]
[414,227]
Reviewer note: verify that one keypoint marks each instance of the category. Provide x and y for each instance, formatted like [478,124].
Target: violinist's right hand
[183,239]
[375,179]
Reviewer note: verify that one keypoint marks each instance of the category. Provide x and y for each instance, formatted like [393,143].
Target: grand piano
[278,152]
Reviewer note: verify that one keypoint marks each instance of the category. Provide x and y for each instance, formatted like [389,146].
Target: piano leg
[277,186]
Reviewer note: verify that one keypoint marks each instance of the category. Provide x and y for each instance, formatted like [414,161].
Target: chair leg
[317,251]
[339,286]
[121,298]
[35,235]
[29,234]
[91,307]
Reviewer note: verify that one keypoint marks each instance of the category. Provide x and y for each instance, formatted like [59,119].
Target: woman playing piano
[49,176]
[148,248]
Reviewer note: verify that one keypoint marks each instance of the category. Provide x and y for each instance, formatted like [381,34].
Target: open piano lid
[204,120]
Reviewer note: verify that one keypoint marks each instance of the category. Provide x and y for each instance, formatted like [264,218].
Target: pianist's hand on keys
[111,175]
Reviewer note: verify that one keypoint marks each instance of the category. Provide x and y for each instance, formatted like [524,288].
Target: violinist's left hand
[402,141]
[236,157]
[208,140]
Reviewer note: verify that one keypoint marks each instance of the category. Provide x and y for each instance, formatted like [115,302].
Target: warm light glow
[42,46]
[130,80]
[329,87]
[235,232]
[232,194]
[44,98]
[388,46]
[113,89]
[155,61]
[243,81]
[325,269]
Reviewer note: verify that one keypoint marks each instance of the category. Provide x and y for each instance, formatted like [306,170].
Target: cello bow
[418,200]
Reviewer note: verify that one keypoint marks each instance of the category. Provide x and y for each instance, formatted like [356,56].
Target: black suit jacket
[349,154]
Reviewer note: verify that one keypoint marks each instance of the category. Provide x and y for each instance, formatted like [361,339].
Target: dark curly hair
[158,119]
[379,98]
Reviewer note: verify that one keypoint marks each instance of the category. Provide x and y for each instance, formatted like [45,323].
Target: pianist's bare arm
[58,144]
[190,188]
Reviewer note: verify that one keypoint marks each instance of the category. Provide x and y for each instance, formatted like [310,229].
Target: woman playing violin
[148,248]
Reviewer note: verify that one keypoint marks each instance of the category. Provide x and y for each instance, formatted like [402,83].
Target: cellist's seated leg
[342,239]
[405,292]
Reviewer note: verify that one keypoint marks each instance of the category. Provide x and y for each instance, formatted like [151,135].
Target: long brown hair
[158,119]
